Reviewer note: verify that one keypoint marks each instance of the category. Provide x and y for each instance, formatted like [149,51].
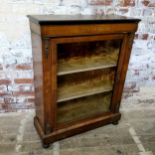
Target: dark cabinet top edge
[80,19]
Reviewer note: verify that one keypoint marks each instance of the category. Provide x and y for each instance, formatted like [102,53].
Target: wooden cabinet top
[80,19]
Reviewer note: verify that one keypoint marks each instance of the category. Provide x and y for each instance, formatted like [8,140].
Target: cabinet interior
[85,78]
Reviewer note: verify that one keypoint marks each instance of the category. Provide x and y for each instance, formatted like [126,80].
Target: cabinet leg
[115,123]
[45,146]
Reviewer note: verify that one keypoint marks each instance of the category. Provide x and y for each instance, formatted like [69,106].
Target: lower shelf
[82,108]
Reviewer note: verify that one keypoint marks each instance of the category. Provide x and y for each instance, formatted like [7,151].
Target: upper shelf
[77,68]
[84,64]
[80,60]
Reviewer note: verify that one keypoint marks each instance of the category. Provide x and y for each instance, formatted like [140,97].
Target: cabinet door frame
[123,62]
[124,53]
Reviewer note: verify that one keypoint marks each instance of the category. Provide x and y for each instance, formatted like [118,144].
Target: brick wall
[16,73]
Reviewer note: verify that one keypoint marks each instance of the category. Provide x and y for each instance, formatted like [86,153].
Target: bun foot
[45,146]
[115,123]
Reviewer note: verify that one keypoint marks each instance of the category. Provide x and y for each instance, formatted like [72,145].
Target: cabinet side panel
[38,74]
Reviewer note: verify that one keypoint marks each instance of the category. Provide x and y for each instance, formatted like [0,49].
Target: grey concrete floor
[134,135]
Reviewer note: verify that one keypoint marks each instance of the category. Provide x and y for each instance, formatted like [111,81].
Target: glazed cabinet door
[85,77]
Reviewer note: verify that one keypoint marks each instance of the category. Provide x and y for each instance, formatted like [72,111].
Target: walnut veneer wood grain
[80,64]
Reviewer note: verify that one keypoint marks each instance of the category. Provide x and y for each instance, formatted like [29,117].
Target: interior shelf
[87,56]
[87,93]
[89,83]
[83,108]
[78,64]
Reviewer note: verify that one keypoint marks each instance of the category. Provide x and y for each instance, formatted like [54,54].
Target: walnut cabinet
[80,63]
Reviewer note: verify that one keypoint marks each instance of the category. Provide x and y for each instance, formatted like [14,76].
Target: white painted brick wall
[15,42]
